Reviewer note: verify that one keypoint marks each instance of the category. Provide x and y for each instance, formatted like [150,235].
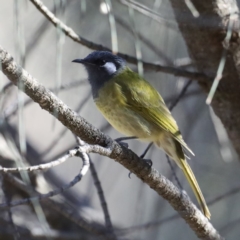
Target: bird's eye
[100,62]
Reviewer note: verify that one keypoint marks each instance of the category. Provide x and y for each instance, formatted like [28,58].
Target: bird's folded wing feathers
[142,98]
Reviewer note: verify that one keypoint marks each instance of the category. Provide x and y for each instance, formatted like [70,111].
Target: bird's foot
[124,144]
[148,161]
[121,139]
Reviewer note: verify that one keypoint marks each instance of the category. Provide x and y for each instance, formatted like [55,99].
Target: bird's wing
[141,97]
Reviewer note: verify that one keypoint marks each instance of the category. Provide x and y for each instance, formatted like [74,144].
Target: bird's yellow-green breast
[113,104]
[117,98]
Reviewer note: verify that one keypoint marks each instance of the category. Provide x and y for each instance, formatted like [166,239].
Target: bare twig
[99,191]
[137,43]
[192,8]
[225,195]
[101,196]
[230,225]
[81,153]
[113,29]
[44,166]
[149,13]
[148,225]
[174,172]
[6,87]
[180,95]
[147,65]
[160,53]
[222,60]
[169,100]
[156,223]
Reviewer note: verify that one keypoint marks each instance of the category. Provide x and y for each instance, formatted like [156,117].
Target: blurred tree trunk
[204,36]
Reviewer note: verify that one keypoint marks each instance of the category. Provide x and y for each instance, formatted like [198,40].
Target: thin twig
[160,53]
[6,87]
[169,100]
[176,216]
[60,41]
[229,226]
[99,191]
[147,65]
[136,42]
[174,172]
[223,59]
[173,104]
[180,95]
[3,94]
[55,192]
[113,29]
[225,195]
[44,166]
[147,226]
[101,196]
[192,8]
[149,13]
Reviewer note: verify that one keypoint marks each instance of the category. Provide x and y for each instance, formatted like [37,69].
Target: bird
[135,108]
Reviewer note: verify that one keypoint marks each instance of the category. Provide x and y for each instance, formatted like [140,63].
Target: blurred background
[136,211]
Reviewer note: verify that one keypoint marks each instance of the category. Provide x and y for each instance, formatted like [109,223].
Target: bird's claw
[148,161]
[124,144]
[120,141]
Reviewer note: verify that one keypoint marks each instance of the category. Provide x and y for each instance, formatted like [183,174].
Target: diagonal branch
[107,147]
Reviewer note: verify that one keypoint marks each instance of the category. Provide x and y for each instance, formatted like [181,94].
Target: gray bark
[204,37]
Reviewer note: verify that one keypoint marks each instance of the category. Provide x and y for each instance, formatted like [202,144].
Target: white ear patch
[110,67]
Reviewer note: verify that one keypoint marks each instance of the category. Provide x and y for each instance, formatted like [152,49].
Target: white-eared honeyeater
[133,107]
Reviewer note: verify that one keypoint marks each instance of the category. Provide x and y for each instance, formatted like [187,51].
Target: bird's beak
[83,61]
[79,61]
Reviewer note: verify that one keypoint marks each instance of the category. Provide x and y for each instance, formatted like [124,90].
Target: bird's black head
[101,66]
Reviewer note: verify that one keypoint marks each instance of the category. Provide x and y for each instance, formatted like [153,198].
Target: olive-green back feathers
[144,100]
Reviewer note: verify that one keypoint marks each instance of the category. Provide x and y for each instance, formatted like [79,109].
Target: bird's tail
[174,149]
[195,187]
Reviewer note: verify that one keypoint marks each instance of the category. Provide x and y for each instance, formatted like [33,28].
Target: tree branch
[107,147]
